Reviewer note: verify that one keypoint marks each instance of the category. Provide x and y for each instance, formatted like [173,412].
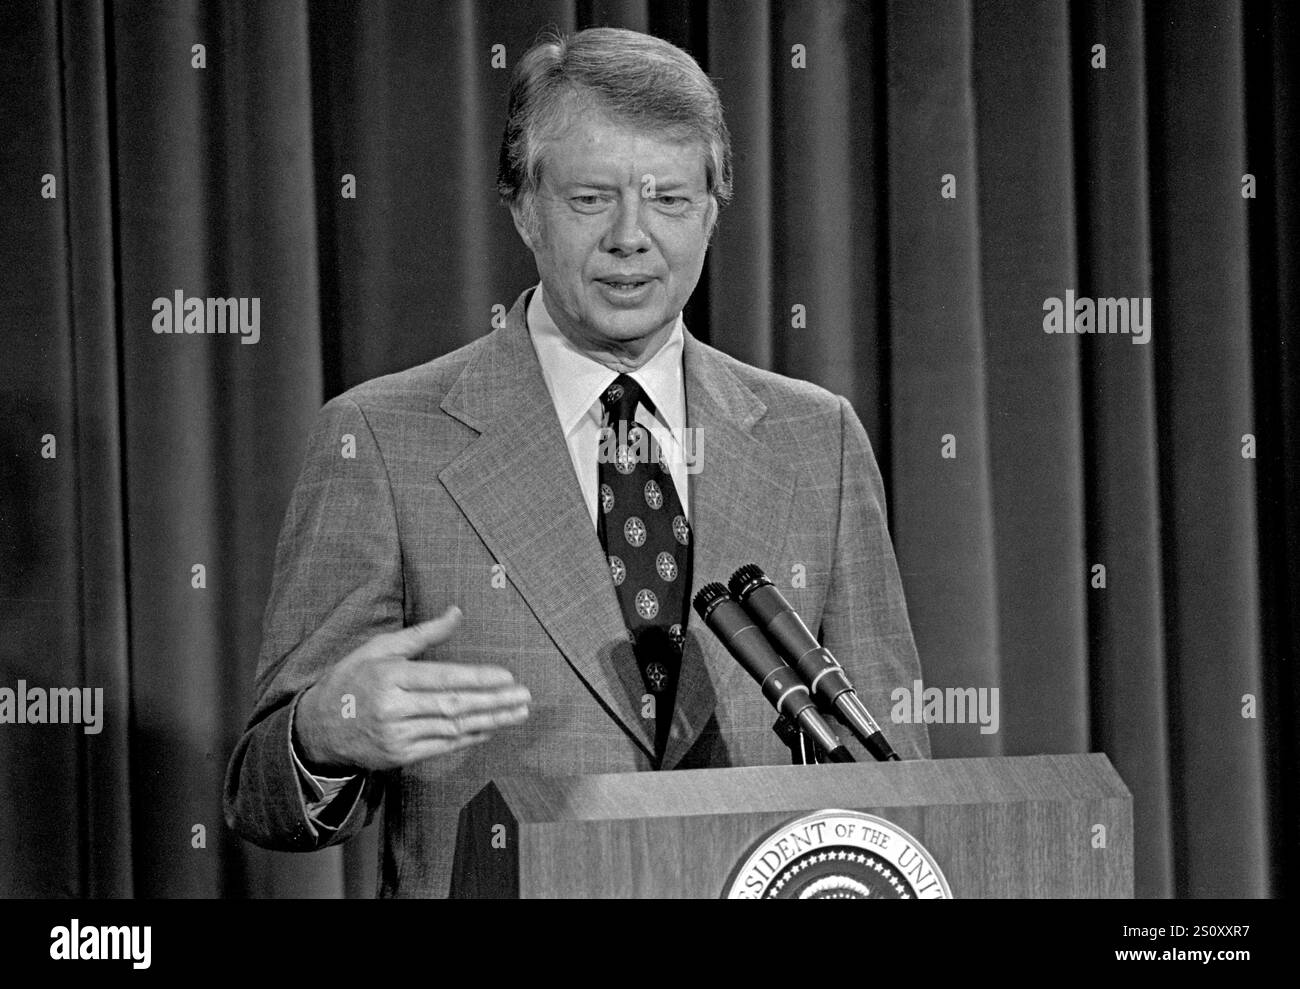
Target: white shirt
[576,383]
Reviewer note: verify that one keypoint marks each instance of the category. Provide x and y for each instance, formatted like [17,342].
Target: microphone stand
[802,751]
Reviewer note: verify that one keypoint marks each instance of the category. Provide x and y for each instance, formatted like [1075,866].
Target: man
[493,583]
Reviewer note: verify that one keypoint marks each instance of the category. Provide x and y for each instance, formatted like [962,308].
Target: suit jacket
[462,491]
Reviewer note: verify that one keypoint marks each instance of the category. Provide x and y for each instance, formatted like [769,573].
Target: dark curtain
[925,309]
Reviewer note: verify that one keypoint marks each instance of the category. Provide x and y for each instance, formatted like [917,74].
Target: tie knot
[621,397]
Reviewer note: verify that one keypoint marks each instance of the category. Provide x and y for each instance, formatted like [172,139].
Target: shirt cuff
[318,792]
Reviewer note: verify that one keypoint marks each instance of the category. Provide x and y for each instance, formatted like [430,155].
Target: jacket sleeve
[337,582]
[865,621]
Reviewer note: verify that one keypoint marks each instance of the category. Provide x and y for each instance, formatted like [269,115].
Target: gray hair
[633,78]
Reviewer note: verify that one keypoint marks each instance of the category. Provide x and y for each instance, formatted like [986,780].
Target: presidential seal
[839,855]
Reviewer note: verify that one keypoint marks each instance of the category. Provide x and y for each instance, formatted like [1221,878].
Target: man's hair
[632,78]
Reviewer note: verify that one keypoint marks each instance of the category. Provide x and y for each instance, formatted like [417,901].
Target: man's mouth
[624,283]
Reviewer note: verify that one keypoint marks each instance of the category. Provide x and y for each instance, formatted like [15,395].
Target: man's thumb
[415,639]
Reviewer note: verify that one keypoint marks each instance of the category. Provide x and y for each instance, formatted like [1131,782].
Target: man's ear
[519,216]
[711,222]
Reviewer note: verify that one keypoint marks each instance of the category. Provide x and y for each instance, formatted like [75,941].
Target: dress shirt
[576,383]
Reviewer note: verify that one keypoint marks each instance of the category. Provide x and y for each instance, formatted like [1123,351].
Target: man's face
[622,223]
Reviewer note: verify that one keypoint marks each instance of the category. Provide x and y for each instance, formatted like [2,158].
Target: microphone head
[708,597]
[746,580]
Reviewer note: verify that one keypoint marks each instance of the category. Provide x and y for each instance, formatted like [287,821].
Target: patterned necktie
[648,543]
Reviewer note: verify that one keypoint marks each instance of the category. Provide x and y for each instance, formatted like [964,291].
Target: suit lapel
[516,487]
[740,503]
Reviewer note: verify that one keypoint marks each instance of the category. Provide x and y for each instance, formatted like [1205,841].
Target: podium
[1025,826]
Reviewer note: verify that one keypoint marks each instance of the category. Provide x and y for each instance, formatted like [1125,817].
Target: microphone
[814,662]
[781,686]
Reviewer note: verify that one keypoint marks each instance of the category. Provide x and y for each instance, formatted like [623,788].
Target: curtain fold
[1126,628]
[1204,384]
[943,525]
[913,181]
[39,487]
[1274,129]
[105,787]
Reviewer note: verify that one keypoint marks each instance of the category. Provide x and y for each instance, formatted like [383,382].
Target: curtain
[913,182]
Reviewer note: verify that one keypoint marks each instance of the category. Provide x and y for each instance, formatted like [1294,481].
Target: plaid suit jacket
[461,491]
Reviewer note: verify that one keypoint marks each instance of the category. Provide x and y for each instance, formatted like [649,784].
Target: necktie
[648,543]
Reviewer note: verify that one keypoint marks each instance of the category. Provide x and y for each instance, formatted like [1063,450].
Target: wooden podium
[1027,826]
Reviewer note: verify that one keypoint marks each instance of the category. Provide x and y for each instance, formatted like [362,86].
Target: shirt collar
[576,381]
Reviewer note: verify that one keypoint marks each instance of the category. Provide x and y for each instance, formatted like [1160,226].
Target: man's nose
[626,235]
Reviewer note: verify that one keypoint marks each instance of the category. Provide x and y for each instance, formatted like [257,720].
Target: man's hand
[376,709]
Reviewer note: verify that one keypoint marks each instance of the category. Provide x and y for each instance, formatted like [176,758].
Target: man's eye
[670,200]
[586,200]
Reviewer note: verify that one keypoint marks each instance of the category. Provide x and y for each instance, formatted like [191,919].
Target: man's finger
[424,729]
[441,746]
[409,642]
[453,704]
[452,676]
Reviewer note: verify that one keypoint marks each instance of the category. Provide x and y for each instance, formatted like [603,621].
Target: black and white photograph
[649,449]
